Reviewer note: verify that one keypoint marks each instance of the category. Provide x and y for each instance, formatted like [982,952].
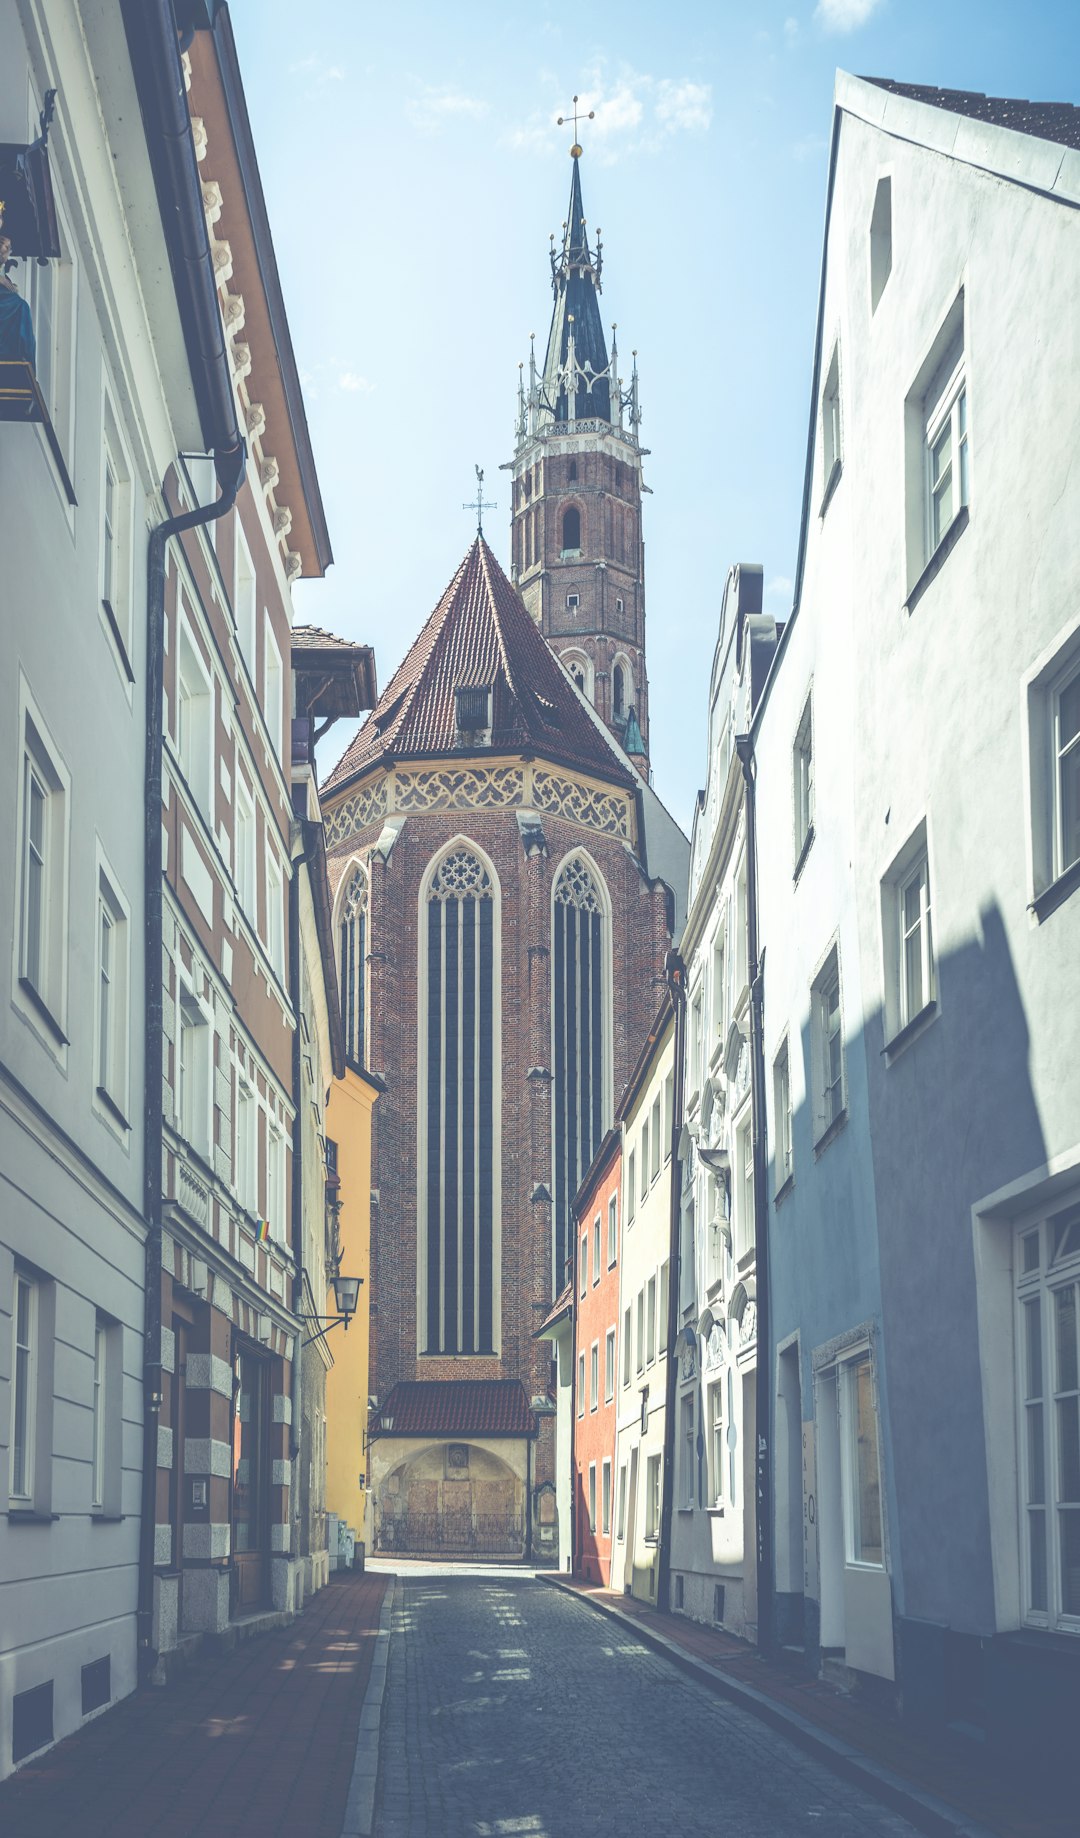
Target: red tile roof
[1058,121]
[313,638]
[480,636]
[458,1407]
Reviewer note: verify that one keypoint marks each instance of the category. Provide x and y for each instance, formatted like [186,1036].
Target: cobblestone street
[513,1709]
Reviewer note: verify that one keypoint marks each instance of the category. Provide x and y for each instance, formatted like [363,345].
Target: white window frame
[594,1376]
[847,1372]
[688,1452]
[1051,675]
[1038,1284]
[605,1497]
[42,996]
[592,1497]
[641,1329]
[581,1385]
[718,988]
[830,1092]
[1063,755]
[194,717]
[596,1250]
[99,1402]
[782,1116]
[117,529]
[583,1273]
[620,1515]
[631,1183]
[245,595]
[655,1129]
[58,389]
[650,1321]
[743,1172]
[628,1344]
[909,873]
[275,911]
[717,1440]
[194,1077]
[276,1211]
[609,1365]
[112,1006]
[246,1157]
[832,435]
[652,1498]
[802,780]
[21,1486]
[244,857]
[612,1230]
[273,688]
[948,416]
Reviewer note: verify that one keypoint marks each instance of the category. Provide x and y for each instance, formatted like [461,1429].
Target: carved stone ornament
[687,1361]
[584,804]
[717,1345]
[198,135]
[241,359]
[282,520]
[459,788]
[461,876]
[234,311]
[255,419]
[293,564]
[355,813]
[268,472]
[212,200]
[223,263]
[748,1324]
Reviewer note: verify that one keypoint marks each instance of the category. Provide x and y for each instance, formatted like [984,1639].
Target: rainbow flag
[262,1235]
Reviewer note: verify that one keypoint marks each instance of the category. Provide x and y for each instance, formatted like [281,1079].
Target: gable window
[461,1024]
[830,425]
[1047,1263]
[571,532]
[782,1117]
[112,1003]
[802,760]
[612,1230]
[580,1000]
[880,241]
[352,966]
[42,870]
[908,939]
[826,1033]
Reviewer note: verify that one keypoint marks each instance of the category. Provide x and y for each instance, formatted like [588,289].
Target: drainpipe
[676,981]
[766,1579]
[573,1390]
[295,1436]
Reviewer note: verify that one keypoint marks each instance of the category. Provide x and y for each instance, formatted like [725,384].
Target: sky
[413,169]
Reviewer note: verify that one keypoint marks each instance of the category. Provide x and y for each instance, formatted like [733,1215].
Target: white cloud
[808,147]
[317,70]
[630,111]
[844,15]
[434,108]
[354,383]
[683,106]
[779,588]
[791,30]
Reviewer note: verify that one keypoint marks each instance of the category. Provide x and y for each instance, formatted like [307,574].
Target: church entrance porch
[453,1499]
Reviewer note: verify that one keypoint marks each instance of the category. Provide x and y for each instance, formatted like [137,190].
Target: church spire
[577,384]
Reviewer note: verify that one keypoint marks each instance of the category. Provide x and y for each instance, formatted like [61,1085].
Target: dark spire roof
[1058,121]
[576,279]
[481,637]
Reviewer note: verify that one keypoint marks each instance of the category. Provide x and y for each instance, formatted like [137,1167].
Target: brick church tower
[503,930]
[578,555]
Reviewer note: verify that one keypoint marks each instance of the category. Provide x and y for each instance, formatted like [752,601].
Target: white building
[918,786]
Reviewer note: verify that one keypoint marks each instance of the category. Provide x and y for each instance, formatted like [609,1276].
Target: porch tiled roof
[458,1407]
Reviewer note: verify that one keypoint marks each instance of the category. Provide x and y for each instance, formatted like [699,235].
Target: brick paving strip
[937,1785]
[261,1740]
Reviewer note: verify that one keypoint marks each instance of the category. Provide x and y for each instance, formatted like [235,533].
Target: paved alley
[513,1709]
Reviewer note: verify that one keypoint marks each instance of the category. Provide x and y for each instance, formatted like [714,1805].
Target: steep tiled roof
[458,1407]
[480,636]
[313,638]
[1058,121]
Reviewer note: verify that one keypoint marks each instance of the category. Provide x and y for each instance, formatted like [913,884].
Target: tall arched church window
[571,527]
[618,690]
[352,965]
[572,474]
[579,1004]
[457,1136]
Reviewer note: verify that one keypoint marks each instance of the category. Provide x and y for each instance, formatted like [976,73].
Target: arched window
[579,1005]
[572,474]
[460,1032]
[618,691]
[571,527]
[352,965]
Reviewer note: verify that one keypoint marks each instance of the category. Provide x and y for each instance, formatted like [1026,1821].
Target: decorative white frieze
[234,313]
[221,251]
[212,201]
[268,472]
[198,135]
[282,520]
[241,359]
[594,809]
[474,787]
[255,419]
[293,564]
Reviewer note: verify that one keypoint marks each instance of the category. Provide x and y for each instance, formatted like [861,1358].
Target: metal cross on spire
[479,504]
[575,151]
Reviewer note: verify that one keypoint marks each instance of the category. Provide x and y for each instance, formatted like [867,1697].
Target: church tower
[578,556]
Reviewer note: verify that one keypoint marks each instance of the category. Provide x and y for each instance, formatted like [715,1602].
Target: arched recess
[351,944]
[622,680]
[459,1078]
[579,665]
[452,1497]
[571,530]
[581,1035]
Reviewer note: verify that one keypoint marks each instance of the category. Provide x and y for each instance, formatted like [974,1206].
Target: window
[612,1230]
[605,1521]
[584,1272]
[742,933]
[97,1460]
[627,1345]
[592,1496]
[1053,741]
[643,1159]
[782,1116]
[460,1175]
[715,1243]
[715,1398]
[581,1385]
[744,1198]
[631,1186]
[275,1182]
[695,1044]
[830,422]
[1066,762]
[662,1324]
[273,688]
[650,1319]
[641,1330]
[594,1375]
[580,1001]
[246,1158]
[596,1249]
[42,895]
[571,531]
[669,1114]
[862,1476]
[194,721]
[244,848]
[947,458]
[23,1389]
[51,293]
[619,605]
[571,472]
[688,1458]
[618,692]
[718,969]
[245,596]
[655,1129]
[116,536]
[620,1523]
[1047,1263]
[573,601]
[907,935]
[880,241]
[275,913]
[802,761]
[687,1253]
[827,1046]
[193,1071]
[609,1365]
[652,1498]
[112,1002]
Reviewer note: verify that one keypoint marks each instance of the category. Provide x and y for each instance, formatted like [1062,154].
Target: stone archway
[452,1499]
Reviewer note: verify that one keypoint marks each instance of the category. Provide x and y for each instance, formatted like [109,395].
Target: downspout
[572,1566]
[766,1579]
[230,473]
[298,861]
[676,981]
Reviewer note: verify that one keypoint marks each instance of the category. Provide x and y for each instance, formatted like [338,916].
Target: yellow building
[349,1129]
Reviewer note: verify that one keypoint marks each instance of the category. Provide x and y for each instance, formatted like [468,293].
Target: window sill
[831,483]
[98,1517]
[29,1515]
[944,549]
[715,1512]
[1058,891]
[829,1135]
[783,1190]
[910,1031]
[807,844]
[118,639]
[112,1107]
[685,1510]
[43,1011]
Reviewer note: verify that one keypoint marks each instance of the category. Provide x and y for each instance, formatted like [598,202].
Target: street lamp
[346,1296]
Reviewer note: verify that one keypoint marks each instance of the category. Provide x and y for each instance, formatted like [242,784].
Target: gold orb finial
[575,151]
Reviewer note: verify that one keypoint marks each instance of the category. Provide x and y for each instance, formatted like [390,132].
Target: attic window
[472,708]
[548,711]
[880,242]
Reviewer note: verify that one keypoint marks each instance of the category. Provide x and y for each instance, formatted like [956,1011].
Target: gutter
[676,980]
[155,59]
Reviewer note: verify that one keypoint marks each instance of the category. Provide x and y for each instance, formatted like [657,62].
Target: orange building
[596,1353]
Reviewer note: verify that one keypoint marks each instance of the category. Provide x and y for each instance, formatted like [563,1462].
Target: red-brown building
[596,1359]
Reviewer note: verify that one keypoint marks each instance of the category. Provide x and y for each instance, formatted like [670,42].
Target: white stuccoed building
[918,807]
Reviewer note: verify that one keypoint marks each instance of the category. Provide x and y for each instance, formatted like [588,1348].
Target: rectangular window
[669,1114]
[583,1276]
[627,1345]
[830,421]
[695,1043]
[620,1523]
[97,1466]
[594,1375]
[742,932]
[592,1496]
[34,919]
[641,1330]
[916,950]
[596,1249]
[245,595]
[1066,764]
[688,1458]
[275,915]
[245,1161]
[644,1159]
[193,1072]
[605,1521]
[715,1236]
[273,689]
[631,1186]
[827,1045]
[23,1389]
[51,294]
[802,765]
[652,1498]
[782,1117]
[275,1183]
[862,1470]
[581,1385]
[744,1193]
[650,1315]
[244,849]
[947,458]
[655,1128]
[612,1229]
[116,537]
[1047,1263]
[112,1002]
[716,1441]
[42,869]
[609,1365]
[194,721]
[718,970]
[662,1323]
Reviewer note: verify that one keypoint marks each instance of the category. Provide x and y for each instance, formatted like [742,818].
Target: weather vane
[479,504]
[575,151]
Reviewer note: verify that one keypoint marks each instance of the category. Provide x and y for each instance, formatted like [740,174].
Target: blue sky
[413,171]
